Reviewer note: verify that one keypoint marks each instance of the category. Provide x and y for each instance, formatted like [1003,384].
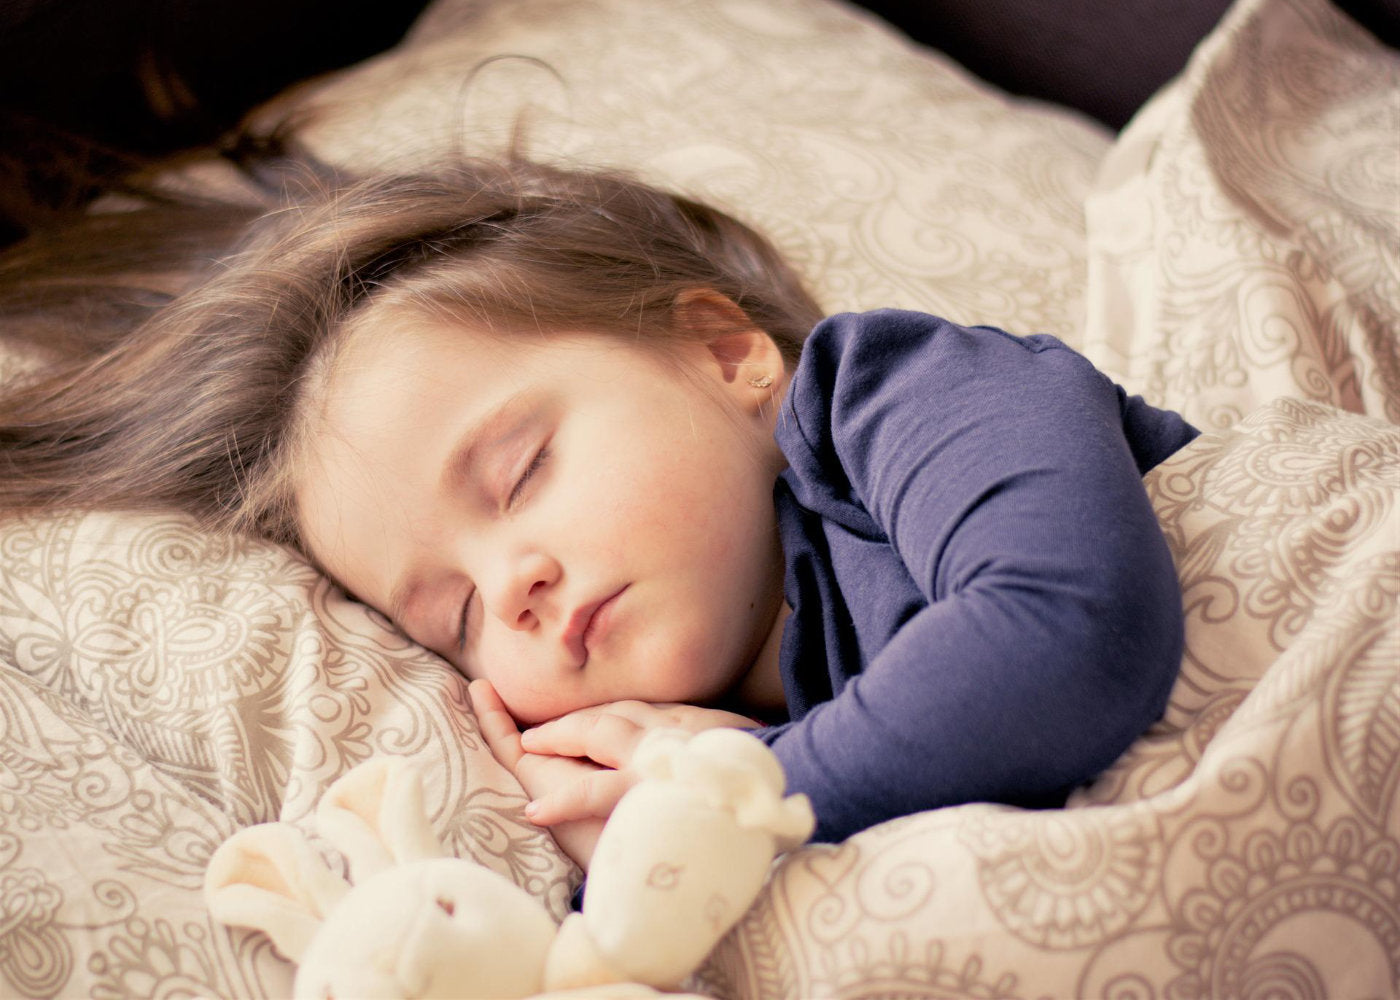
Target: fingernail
[527,737]
[532,810]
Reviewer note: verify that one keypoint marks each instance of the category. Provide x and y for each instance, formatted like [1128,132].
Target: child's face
[570,517]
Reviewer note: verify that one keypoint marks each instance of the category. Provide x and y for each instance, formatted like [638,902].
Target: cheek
[504,658]
[685,497]
[690,659]
[526,705]
[527,708]
[497,659]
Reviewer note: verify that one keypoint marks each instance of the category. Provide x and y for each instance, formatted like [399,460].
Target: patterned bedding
[1235,253]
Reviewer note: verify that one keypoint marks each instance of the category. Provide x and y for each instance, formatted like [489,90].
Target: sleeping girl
[594,445]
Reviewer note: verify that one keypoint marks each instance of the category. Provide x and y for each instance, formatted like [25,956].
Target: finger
[680,715]
[592,796]
[603,737]
[643,713]
[640,712]
[577,839]
[497,727]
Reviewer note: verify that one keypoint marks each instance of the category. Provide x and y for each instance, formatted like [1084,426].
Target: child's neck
[760,690]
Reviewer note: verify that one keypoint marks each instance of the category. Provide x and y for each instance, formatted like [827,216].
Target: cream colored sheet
[160,688]
[1244,233]
[1247,846]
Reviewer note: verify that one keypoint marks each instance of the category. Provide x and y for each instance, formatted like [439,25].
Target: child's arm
[985,482]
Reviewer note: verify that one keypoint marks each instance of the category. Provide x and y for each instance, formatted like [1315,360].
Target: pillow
[884,172]
[1244,232]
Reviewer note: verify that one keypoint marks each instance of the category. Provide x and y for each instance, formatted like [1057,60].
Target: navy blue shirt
[983,605]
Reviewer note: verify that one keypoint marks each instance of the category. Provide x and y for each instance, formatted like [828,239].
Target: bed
[1234,252]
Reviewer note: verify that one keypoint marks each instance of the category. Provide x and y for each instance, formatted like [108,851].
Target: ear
[269,878]
[374,815]
[746,359]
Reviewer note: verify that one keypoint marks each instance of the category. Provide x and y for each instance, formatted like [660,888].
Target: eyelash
[526,476]
[462,623]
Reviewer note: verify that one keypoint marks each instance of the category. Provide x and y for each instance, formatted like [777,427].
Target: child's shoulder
[885,338]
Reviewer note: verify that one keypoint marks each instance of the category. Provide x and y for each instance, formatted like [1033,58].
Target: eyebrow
[495,425]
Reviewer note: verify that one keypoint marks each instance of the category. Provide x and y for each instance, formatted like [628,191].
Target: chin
[531,712]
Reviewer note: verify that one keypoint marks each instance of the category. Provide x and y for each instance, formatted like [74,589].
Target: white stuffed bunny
[678,863]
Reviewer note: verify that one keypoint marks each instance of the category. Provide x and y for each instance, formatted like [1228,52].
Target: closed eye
[462,623]
[535,465]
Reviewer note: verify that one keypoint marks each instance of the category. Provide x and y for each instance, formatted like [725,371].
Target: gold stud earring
[760,381]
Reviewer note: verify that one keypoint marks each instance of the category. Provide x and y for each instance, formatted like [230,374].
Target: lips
[586,625]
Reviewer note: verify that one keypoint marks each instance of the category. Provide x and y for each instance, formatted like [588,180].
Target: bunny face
[438,928]
[415,924]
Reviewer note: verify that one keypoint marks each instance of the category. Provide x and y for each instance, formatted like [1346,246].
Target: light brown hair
[195,406]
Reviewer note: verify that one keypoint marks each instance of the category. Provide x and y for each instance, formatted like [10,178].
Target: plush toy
[678,863]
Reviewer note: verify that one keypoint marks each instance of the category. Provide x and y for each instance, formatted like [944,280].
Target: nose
[524,590]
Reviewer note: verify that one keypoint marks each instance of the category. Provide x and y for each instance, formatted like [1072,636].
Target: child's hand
[608,735]
[546,774]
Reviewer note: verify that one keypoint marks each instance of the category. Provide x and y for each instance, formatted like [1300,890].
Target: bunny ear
[374,814]
[269,878]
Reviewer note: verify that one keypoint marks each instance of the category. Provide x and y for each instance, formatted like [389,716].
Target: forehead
[381,417]
[355,456]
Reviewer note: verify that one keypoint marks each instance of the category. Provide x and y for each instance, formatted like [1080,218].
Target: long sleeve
[984,605]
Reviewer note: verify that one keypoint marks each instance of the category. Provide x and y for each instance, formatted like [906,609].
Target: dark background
[158,74]
[1104,57]
[91,87]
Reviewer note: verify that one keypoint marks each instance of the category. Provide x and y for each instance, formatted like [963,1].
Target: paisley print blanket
[1234,253]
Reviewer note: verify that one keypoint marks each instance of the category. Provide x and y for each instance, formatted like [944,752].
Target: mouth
[588,624]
